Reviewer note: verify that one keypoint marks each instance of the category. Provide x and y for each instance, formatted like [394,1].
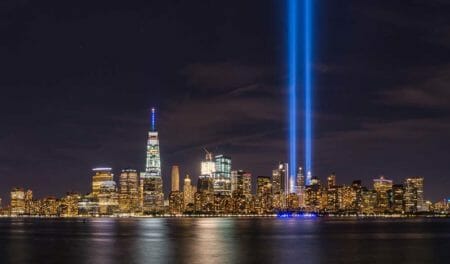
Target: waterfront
[224,240]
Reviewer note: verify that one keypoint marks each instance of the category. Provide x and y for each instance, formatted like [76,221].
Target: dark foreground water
[224,240]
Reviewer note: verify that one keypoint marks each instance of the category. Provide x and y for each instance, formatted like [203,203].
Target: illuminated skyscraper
[280,178]
[280,185]
[188,193]
[241,183]
[264,186]
[101,176]
[222,175]
[314,196]
[357,189]
[398,198]
[176,202]
[69,205]
[300,184]
[369,201]
[105,191]
[331,180]
[300,187]
[414,201]
[383,187]
[205,182]
[153,196]
[208,167]
[129,191]
[17,201]
[175,178]
[28,202]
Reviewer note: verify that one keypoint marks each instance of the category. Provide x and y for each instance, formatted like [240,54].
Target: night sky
[78,79]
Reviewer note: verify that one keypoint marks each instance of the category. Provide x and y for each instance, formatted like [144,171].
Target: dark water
[224,240]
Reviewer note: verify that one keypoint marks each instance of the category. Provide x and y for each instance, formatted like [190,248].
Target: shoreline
[357,217]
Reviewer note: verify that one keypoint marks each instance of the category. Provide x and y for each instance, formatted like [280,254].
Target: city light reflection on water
[223,240]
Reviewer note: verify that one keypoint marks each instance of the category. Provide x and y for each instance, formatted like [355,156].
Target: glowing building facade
[188,194]
[69,205]
[208,166]
[414,201]
[129,191]
[280,178]
[175,177]
[17,201]
[280,185]
[222,175]
[398,195]
[153,197]
[383,188]
[241,183]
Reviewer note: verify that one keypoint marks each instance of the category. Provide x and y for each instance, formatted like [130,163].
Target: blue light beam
[293,54]
[308,84]
[292,43]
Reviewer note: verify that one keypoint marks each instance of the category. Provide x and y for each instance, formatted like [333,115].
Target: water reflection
[222,240]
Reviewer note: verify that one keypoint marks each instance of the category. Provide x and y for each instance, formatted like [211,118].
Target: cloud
[222,76]
[433,92]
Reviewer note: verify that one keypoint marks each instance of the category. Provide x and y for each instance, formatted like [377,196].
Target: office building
[414,200]
[383,188]
[241,183]
[398,195]
[129,192]
[175,176]
[152,191]
[188,194]
[222,175]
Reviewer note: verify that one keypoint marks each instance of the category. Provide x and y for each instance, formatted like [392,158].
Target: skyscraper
[104,189]
[129,191]
[241,183]
[188,193]
[222,175]
[383,188]
[300,187]
[208,167]
[414,201]
[398,198]
[264,194]
[153,196]
[264,186]
[175,178]
[280,179]
[205,181]
[101,176]
[331,180]
[17,201]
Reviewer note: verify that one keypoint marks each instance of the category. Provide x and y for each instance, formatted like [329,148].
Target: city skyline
[77,91]
[152,169]
[223,189]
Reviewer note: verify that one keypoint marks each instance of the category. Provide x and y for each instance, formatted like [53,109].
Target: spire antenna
[153,119]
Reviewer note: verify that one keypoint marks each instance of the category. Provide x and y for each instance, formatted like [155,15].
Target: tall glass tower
[153,196]
[222,175]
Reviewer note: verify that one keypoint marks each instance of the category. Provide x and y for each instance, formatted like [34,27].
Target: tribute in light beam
[292,43]
[307,77]
[308,86]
